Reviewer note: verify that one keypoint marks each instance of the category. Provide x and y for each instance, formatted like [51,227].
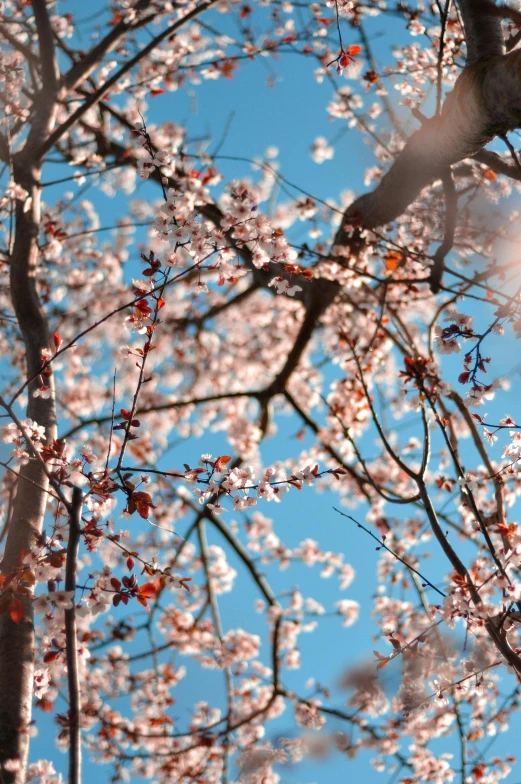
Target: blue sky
[288,115]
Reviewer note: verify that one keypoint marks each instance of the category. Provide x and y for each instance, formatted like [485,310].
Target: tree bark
[17,640]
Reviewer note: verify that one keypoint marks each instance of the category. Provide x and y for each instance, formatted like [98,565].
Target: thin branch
[498,164]
[96,324]
[444,14]
[395,555]
[391,452]
[451,211]
[71,641]
[152,409]
[27,479]
[512,151]
[214,608]
[35,453]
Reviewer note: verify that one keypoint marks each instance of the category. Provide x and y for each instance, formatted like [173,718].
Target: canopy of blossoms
[150,369]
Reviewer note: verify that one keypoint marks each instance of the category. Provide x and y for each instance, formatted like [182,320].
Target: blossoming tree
[227,323]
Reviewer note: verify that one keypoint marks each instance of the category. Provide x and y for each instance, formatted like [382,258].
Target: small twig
[451,205]
[338,26]
[444,14]
[395,555]
[26,479]
[390,451]
[226,131]
[111,421]
[214,608]
[141,379]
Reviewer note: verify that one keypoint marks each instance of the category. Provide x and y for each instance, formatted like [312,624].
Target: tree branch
[498,164]
[71,640]
[95,98]
[451,207]
[45,101]
[81,70]
[483,33]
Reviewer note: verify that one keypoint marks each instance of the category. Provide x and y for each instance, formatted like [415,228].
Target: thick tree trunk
[17,640]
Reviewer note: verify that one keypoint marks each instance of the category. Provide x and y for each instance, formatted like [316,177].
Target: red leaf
[57,559]
[143,502]
[16,610]
[51,656]
[147,590]
[143,307]
[221,462]
[144,498]
[393,258]
[142,509]
[57,341]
